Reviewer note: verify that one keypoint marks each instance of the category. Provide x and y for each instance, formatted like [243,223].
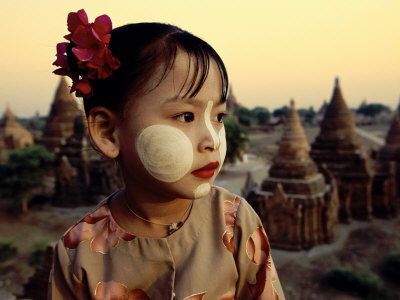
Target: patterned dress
[221,252]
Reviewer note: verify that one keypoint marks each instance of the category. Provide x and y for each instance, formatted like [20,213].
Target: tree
[261,115]
[281,112]
[244,116]
[372,109]
[24,171]
[236,138]
[308,115]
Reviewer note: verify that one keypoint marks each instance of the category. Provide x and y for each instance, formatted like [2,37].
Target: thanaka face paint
[207,120]
[202,190]
[165,152]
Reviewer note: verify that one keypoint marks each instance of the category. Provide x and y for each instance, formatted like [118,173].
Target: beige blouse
[221,252]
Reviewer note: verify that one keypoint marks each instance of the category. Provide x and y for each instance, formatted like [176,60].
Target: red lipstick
[207,171]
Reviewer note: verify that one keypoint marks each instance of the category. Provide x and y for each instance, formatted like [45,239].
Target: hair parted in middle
[142,48]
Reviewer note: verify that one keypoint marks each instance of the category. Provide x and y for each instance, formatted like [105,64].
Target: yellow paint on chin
[202,190]
[165,152]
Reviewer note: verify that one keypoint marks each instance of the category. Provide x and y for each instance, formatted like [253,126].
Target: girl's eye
[185,117]
[220,117]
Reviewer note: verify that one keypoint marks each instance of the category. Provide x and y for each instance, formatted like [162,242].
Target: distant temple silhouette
[386,183]
[60,122]
[12,135]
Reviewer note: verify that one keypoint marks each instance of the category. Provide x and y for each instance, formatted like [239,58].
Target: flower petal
[61,72]
[227,296]
[110,290]
[137,294]
[76,19]
[83,86]
[83,54]
[198,296]
[61,61]
[82,37]
[102,24]
[257,247]
[62,48]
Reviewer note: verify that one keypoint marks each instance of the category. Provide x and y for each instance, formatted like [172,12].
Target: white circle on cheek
[202,190]
[165,152]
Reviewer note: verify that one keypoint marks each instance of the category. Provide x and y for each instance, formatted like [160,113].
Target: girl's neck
[141,214]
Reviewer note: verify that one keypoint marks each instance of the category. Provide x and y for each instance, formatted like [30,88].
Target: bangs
[200,55]
[144,48]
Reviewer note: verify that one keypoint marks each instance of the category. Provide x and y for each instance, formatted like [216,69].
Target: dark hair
[141,48]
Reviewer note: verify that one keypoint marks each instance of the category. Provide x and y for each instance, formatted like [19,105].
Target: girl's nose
[209,139]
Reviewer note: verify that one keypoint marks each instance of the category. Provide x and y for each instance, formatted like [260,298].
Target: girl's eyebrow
[191,101]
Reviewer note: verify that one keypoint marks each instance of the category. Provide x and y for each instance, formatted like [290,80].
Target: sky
[274,51]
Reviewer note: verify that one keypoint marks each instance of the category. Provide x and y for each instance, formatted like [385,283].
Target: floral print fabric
[221,252]
[100,228]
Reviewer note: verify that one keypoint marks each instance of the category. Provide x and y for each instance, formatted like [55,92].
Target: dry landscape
[359,245]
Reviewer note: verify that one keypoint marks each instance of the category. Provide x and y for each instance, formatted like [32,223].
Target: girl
[155,98]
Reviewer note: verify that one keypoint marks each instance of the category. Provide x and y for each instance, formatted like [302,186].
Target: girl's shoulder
[233,203]
[99,227]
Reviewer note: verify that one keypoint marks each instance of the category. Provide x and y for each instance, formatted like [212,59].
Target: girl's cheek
[165,152]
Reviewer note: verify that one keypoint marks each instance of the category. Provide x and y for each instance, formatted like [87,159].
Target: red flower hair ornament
[90,47]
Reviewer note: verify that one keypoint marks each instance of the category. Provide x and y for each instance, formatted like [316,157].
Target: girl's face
[171,145]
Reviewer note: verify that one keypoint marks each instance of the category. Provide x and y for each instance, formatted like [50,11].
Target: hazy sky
[273,50]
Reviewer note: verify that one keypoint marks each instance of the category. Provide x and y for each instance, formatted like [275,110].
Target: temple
[298,208]
[386,183]
[59,125]
[83,177]
[12,135]
[338,148]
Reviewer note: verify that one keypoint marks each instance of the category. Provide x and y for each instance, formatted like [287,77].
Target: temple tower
[83,177]
[386,183]
[60,122]
[338,147]
[297,207]
[232,104]
[12,135]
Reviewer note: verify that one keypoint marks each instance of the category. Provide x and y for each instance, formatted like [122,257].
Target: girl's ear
[102,124]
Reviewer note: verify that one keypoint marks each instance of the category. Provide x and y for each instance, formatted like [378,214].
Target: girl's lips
[207,171]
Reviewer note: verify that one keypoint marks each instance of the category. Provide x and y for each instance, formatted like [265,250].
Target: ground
[359,245]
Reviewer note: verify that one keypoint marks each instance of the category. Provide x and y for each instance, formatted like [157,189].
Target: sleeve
[63,283]
[258,278]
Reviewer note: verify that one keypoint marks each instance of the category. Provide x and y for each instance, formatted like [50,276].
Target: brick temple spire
[297,206]
[386,184]
[60,122]
[338,126]
[293,159]
[338,147]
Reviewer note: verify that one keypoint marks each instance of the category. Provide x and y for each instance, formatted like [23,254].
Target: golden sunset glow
[274,51]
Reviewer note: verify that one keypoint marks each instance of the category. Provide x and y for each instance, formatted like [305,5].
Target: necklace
[172,227]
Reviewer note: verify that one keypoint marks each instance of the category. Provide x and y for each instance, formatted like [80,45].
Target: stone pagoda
[297,207]
[83,177]
[12,135]
[338,147]
[60,122]
[386,183]
[232,104]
